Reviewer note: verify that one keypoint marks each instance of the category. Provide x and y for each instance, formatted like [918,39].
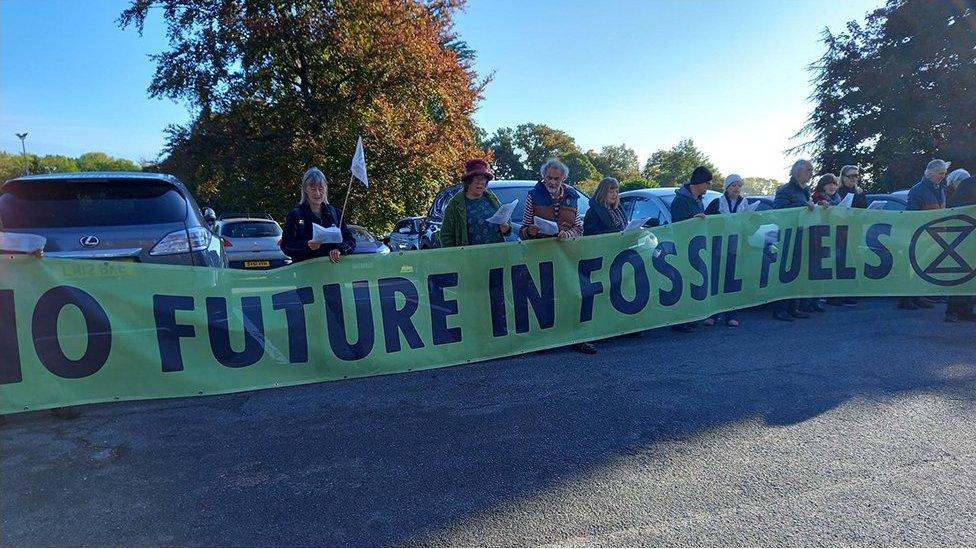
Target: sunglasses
[853,176]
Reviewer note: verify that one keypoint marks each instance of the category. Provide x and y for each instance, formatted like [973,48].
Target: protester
[687,204]
[795,194]
[825,192]
[314,208]
[605,214]
[730,202]
[687,201]
[553,200]
[960,307]
[927,194]
[850,177]
[466,215]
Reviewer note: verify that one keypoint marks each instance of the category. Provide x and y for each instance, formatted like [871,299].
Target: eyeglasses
[853,176]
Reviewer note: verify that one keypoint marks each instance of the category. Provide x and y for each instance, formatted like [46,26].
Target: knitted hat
[477,167]
[700,175]
[732,178]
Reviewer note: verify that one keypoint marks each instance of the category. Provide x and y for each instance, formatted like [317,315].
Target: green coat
[454,229]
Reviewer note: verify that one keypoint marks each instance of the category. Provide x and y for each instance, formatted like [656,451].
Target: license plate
[249,264]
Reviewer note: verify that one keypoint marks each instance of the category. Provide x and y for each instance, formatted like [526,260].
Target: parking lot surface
[856,427]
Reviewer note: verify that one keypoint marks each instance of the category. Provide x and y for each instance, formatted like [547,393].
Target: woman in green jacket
[466,215]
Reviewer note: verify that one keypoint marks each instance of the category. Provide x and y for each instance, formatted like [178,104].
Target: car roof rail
[247,215]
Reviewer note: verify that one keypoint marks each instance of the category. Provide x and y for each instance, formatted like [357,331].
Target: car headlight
[176,242]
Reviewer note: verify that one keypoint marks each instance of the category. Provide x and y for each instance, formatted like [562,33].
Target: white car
[252,242]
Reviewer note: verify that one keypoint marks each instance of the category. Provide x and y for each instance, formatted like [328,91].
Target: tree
[519,153]
[617,161]
[673,167]
[895,92]
[101,162]
[637,183]
[278,86]
[12,164]
[759,186]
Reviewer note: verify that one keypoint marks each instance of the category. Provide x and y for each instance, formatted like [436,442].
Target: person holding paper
[297,238]
[794,194]
[850,179]
[730,202]
[605,214]
[552,200]
[687,204]
[468,216]
[825,193]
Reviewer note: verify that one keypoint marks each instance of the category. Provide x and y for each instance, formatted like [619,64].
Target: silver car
[252,242]
[366,243]
[655,203]
[121,216]
[406,234]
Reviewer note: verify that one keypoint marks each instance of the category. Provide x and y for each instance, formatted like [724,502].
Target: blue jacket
[791,195]
[685,205]
[926,195]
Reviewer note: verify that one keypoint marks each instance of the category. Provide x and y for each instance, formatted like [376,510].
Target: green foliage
[12,164]
[673,167]
[895,92]
[280,86]
[759,186]
[617,161]
[519,153]
[637,183]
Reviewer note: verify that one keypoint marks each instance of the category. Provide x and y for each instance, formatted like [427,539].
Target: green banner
[76,331]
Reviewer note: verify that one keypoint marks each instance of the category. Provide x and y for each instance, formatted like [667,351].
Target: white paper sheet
[23,243]
[750,206]
[504,213]
[877,205]
[322,235]
[636,224]
[847,202]
[545,226]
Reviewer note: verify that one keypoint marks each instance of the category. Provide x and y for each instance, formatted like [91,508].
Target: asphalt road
[854,428]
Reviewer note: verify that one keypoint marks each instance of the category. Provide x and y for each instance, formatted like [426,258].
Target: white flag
[358,167]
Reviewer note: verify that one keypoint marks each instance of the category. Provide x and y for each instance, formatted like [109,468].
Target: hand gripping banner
[78,331]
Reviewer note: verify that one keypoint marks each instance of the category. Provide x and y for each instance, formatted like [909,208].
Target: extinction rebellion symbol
[945,236]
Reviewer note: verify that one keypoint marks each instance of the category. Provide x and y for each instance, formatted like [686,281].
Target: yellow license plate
[249,264]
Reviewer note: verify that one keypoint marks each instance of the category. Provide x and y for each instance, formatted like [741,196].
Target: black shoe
[799,314]
[951,317]
[683,328]
[585,348]
[923,303]
[782,315]
[907,304]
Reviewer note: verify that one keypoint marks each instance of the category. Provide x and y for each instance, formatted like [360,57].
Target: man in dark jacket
[795,194]
[687,204]
[960,307]
[687,201]
[927,194]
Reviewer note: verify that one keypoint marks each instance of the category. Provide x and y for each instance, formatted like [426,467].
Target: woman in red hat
[466,216]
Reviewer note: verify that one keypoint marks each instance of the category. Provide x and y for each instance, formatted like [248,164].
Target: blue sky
[648,73]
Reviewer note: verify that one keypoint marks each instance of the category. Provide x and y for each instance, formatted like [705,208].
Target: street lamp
[23,148]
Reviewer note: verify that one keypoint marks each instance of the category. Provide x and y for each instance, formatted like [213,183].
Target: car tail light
[226,243]
[181,242]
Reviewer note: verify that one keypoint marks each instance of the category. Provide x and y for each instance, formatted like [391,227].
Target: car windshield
[250,229]
[361,235]
[65,203]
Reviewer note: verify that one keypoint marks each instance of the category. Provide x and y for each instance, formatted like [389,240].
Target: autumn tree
[896,91]
[277,86]
[519,153]
[673,167]
[617,161]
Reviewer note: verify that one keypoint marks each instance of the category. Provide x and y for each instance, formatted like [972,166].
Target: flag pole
[342,212]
